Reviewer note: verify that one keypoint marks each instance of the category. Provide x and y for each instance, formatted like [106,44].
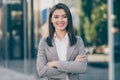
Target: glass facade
[116,11]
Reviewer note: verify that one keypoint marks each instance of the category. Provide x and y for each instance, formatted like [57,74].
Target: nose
[60,19]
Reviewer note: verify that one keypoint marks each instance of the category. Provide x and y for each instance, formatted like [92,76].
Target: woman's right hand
[52,64]
[80,58]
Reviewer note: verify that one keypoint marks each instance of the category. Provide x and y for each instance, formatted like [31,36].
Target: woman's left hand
[52,64]
[80,58]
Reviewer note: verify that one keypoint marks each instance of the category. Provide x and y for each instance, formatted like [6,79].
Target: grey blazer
[70,67]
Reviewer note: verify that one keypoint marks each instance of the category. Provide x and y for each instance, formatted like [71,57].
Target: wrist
[56,64]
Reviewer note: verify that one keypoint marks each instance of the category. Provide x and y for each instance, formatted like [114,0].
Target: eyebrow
[58,15]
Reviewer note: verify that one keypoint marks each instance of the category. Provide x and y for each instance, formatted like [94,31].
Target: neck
[61,34]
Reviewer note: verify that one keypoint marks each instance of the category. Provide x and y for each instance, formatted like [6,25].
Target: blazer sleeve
[42,69]
[75,66]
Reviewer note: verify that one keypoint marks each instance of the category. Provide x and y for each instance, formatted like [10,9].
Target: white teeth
[60,24]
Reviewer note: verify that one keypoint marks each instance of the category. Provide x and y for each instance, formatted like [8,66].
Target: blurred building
[116,12]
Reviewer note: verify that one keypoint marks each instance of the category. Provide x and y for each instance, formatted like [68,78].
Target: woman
[61,56]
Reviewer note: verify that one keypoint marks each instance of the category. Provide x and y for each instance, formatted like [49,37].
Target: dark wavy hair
[69,27]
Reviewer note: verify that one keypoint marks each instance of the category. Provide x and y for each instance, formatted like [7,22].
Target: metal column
[110,40]
[25,35]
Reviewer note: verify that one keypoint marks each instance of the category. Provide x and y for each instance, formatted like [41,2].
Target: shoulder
[42,41]
[79,39]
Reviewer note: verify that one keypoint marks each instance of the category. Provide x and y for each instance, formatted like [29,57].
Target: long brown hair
[69,27]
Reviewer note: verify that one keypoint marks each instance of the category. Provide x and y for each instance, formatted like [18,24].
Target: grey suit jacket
[70,67]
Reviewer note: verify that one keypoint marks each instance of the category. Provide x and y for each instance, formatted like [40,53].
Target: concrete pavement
[8,74]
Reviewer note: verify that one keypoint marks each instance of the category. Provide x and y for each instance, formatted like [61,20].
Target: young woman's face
[59,19]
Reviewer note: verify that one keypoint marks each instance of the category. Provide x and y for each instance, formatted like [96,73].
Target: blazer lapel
[53,51]
[70,50]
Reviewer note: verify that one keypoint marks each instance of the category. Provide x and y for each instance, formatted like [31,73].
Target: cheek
[53,21]
[66,21]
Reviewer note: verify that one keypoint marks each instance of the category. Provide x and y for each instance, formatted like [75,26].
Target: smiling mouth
[60,24]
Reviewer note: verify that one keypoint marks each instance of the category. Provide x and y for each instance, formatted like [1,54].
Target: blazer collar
[70,50]
[54,50]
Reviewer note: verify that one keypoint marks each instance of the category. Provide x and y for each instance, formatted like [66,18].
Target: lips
[60,24]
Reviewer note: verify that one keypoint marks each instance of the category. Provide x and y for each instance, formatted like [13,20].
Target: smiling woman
[61,55]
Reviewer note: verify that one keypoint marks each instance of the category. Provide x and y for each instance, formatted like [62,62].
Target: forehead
[59,11]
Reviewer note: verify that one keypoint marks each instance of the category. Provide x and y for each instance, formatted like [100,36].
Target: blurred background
[24,22]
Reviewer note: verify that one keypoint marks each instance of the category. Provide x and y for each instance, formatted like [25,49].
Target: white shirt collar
[64,38]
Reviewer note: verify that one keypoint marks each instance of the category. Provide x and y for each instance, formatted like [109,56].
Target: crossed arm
[58,69]
[54,64]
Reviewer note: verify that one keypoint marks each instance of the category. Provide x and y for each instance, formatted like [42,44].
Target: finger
[82,55]
[81,59]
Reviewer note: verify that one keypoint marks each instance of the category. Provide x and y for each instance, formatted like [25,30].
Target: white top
[61,46]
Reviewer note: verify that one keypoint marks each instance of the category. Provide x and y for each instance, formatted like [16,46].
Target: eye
[64,16]
[56,16]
